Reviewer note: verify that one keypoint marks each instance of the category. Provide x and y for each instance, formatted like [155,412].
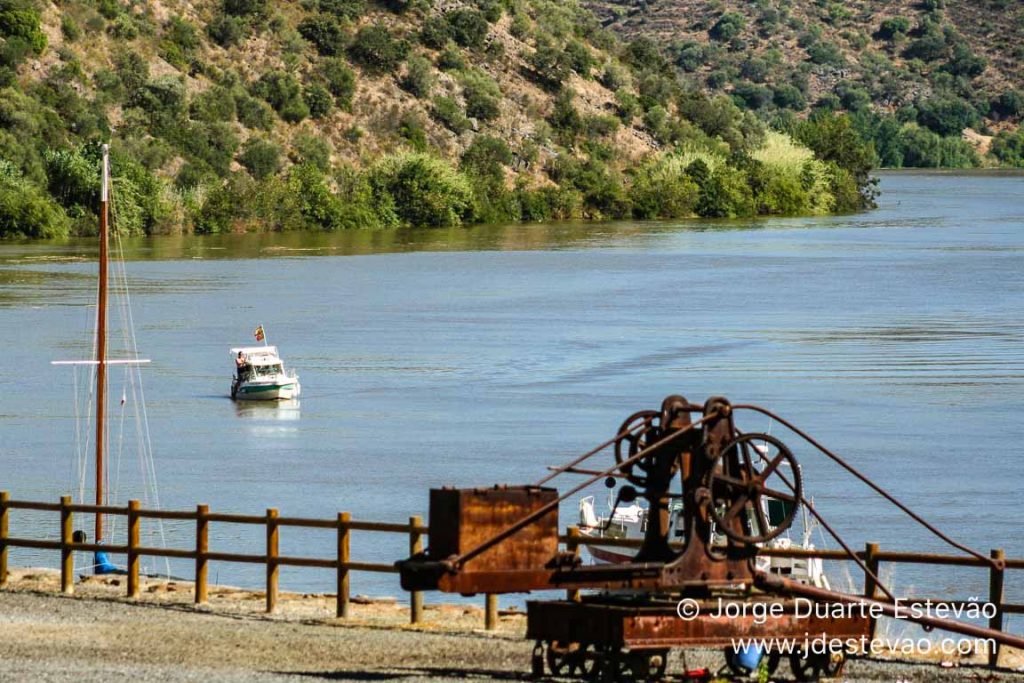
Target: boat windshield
[264,370]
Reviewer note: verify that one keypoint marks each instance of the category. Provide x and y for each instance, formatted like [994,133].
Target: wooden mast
[101,341]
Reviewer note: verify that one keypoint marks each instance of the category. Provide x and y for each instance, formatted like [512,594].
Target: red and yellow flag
[258,332]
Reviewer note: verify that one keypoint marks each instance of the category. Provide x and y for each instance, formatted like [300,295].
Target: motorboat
[260,375]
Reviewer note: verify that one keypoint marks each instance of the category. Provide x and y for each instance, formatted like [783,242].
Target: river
[481,355]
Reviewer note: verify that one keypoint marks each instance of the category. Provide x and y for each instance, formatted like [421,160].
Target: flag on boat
[259,333]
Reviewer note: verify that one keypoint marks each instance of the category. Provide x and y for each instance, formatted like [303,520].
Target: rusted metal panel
[463,519]
[660,626]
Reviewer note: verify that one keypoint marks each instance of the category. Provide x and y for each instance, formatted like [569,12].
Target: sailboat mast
[101,341]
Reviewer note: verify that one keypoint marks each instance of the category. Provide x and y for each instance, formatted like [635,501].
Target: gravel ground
[98,636]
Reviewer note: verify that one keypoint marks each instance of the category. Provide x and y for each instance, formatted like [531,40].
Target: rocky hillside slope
[915,75]
[260,114]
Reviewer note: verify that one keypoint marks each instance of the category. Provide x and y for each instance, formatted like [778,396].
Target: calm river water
[481,355]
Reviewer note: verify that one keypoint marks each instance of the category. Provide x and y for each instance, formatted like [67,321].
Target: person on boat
[241,365]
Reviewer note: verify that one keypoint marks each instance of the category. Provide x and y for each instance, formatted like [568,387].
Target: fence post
[202,547]
[491,612]
[572,545]
[4,498]
[272,568]
[415,547]
[133,544]
[344,551]
[67,555]
[870,583]
[995,597]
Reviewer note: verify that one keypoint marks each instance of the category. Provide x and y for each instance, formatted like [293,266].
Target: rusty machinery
[505,539]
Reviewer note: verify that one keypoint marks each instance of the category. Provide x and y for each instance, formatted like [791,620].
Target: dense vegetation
[912,77]
[229,115]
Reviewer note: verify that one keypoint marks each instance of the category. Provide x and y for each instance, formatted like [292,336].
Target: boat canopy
[258,355]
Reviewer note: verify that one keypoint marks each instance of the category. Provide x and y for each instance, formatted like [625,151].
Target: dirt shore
[98,635]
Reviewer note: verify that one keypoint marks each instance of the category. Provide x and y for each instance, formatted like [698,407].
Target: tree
[420,190]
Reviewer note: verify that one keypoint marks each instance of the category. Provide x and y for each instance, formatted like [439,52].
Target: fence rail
[343,564]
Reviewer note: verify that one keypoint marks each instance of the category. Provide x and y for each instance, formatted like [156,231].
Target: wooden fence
[342,564]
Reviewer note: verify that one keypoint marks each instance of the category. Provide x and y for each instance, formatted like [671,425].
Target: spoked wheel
[754,470]
[644,432]
[813,666]
[571,660]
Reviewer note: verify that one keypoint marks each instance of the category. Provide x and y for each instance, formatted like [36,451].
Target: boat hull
[276,391]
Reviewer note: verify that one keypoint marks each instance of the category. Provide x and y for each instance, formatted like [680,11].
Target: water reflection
[268,410]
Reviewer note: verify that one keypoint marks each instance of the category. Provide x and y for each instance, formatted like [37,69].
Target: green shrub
[482,95]
[448,112]
[419,76]
[411,128]
[662,189]
[284,93]
[451,59]
[20,19]
[213,144]
[256,9]
[564,117]
[728,26]
[468,27]
[324,32]
[214,104]
[316,203]
[825,52]
[893,28]
[343,9]
[946,115]
[486,157]
[253,113]
[550,65]
[550,203]
[310,149]
[435,32]
[132,68]
[965,63]
[226,30]
[27,211]
[340,80]
[260,157]
[1008,148]
[375,48]
[318,100]
[579,58]
[420,190]
[69,28]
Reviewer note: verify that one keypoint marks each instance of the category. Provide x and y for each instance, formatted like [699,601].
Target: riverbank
[97,635]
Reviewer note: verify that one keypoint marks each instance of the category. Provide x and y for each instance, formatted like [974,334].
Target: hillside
[251,114]
[913,75]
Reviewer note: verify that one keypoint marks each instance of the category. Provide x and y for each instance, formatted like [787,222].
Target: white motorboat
[630,522]
[260,375]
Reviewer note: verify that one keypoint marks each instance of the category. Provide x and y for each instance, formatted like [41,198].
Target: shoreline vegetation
[248,115]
